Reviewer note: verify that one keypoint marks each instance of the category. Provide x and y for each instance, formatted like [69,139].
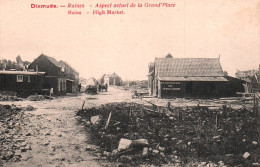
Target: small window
[28,79]
[19,78]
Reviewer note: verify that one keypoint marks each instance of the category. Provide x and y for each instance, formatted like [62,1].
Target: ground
[56,137]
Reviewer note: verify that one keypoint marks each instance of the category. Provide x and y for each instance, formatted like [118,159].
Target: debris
[4,97]
[28,134]
[108,120]
[140,142]
[185,132]
[216,137]
[124,144]
[246,155]
[95,119]
[256,164]
[29,108]
[161,149]
[88,123]
[145,151]
[156,151]
[83,105]
[10,125]
[36,98]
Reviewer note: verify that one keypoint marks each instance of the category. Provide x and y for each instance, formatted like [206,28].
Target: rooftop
[188,67]
[22,72]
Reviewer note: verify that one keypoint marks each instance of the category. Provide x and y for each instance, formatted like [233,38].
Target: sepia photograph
[89,83]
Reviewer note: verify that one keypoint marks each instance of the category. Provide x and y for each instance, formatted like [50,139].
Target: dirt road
[55,136]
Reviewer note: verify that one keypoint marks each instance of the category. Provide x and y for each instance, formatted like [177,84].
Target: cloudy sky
[125,44]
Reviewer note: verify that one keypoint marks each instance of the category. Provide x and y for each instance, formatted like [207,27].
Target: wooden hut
[187,77]
[22,82]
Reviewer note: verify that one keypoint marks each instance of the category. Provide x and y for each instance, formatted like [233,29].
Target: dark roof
[169,55]
[52,60]
[63,64]
[114,75]
[188,67]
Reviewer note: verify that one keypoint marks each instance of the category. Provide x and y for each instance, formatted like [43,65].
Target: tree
[18,59]
[4,61]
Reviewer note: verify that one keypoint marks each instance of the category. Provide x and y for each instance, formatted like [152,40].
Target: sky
[125,44]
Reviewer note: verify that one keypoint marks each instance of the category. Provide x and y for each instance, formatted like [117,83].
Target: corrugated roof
[188,67]
[210,79]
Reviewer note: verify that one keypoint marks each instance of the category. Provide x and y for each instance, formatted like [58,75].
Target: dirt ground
[57,139]
[54,135]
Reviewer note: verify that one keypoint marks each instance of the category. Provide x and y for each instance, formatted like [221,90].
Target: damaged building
[190,77]
[252,77]
[58,75]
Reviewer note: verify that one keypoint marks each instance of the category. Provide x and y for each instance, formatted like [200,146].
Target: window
[19,78]
[28,79]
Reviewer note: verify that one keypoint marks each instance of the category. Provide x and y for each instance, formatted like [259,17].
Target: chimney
[37,68]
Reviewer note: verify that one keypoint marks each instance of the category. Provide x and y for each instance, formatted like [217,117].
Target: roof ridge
[187,58]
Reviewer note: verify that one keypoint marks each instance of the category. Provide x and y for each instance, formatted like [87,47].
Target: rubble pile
[9,98]
[135,134]
[36,98]
[10,93]
[12,142]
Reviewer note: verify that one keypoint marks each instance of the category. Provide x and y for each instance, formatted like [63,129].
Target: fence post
[258,120]
[83,105]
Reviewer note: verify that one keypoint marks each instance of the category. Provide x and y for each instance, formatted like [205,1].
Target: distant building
[54,74]
[189,77]
[252,77]
[111,79]
[72,77]
[22,82]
